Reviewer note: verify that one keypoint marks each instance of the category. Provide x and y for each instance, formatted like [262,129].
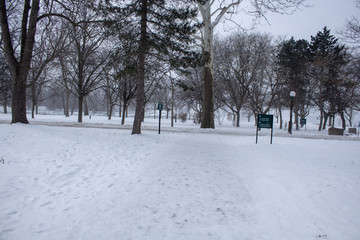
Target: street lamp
[292,95]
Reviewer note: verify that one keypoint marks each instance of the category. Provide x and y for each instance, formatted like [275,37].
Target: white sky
[307,22]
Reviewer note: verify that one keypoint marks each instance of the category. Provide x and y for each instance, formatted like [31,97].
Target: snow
[93,181]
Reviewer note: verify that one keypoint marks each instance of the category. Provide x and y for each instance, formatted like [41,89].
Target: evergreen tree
[163,29]
[293,63]
[328,59]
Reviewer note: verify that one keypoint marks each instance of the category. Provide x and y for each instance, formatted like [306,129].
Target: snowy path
[74,183]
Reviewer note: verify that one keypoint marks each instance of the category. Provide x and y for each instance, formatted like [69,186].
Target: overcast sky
[308,21]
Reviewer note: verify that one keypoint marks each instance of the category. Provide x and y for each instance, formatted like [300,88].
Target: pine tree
[328,59]
[293,64]
[163,29]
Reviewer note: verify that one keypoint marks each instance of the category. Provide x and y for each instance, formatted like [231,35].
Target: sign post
[160,107]
[264,121]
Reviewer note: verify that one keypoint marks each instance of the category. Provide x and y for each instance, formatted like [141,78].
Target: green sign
[265,121]
[303,121]
[160,106]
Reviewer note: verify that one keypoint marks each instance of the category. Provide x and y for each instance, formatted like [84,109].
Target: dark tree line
[321,72]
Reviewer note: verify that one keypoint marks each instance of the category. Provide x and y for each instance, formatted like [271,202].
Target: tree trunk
[107,104]
[33,99]
[80,110]
[281,118]
[124,113]
[5,106]
[19,99]
[33,110]
[19,69]
[172,102]
[140,91]
[326,117]
[67,103]
[321,119]
[207,118]
[120,106]
[154,110]
[297,120]
[110,111]
[343,120]
[238,118]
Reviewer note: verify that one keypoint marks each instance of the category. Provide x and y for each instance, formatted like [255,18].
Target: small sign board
[264,121]
[303,122]
[160,106]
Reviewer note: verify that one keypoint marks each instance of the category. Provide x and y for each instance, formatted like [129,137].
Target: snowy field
[95,180]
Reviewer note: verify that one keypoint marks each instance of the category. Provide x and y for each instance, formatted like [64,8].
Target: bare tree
[18,29]
[19,61]
[351,31]
[212,12]
[52,44]
[264,89]
[85,61]
[5,83]
[237,59]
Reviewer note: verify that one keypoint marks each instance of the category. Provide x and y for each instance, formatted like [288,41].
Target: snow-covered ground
[96,181]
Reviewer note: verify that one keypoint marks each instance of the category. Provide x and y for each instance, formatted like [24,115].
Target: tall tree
[85,61]
[5,83]
[293,65]
[212,12]
[264,87]
[163,27]
[237,59]
[328,59]
[19,62]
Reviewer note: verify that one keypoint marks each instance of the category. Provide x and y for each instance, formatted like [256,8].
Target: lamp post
[292,95]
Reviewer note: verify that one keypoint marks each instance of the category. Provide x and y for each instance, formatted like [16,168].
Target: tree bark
[111,107]
[172,102]
[33,99]
[238,118]
[343,120]
[67,103]
[124,113]
[81,101]
[120,106]
[19,69]
[326,117]
[321,119]
[140,91]
[19,98]
[281,118]
[33,110]
[207,118]
[5,106]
